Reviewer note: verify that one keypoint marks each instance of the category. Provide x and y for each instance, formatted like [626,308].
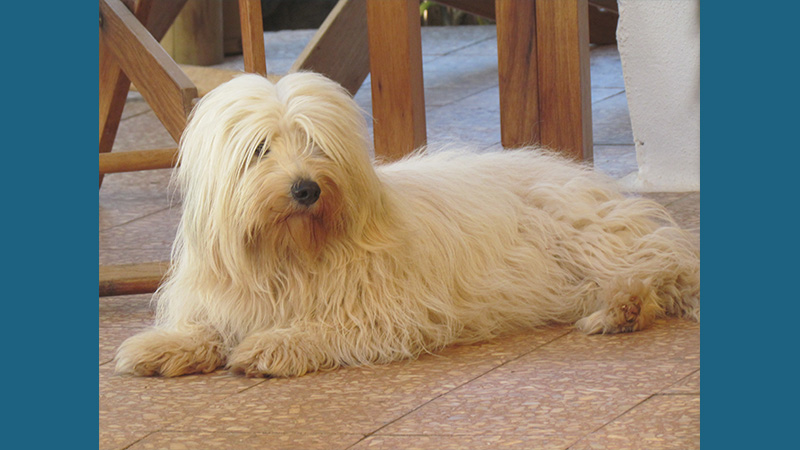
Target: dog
[297,253]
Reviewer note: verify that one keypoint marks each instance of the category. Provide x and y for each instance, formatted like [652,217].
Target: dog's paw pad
[630,311]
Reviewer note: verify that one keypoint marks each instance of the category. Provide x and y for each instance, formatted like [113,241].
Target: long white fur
[393,260]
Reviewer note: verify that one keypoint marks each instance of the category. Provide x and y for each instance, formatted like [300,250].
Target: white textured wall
[659,44]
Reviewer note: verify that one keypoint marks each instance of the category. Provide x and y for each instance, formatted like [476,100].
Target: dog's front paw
[169,353]
[276,353]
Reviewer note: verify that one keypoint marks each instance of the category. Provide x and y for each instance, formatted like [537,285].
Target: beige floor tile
[662,422]
[125,197]
[135,104]
[605,67]
[127,311]
[549,402]
[668,339]
[245,441]
[136,404]
[141,132]
[438,442]
[686,211]
[145,239]
[611,123]
[615,161]
[111,338]
[361,399]
[119,440]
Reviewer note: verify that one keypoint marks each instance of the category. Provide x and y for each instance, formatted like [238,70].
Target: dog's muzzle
[305,192]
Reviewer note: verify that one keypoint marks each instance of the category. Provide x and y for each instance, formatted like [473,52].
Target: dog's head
[274,169]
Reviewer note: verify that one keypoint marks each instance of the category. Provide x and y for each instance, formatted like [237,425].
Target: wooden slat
[167,90]
[129,279]
[395,50]
[135,160]
[340,48]
[562,44]
[252,36]
[113,86]
[518,67]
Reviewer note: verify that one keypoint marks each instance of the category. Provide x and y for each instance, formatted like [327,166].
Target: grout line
[136,115]
[606,98]
[372,433]
[471,44]
[138,440]
[136,218]
[648,398]
[189,413]
[609,97]
[481,91]
[682,379]
[612,420]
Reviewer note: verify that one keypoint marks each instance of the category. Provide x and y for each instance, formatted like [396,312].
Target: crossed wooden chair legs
[543,66]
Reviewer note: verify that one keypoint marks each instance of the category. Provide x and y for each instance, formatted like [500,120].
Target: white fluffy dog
[296,254]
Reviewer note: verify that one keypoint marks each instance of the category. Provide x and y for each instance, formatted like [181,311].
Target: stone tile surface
[148,238]
[686,211]
[245,441]
[127,311]
[615,161]
[557,402]
[138,404]
[662,422]
[671,339]
[119,440]
[485,441]
[611,123]
[361,399]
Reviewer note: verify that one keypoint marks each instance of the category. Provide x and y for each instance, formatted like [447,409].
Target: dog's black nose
[305,192]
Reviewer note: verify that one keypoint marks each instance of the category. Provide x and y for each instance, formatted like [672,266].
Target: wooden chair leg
[168,90]
[395,51]
[252,37]
[543,62]
[114,85]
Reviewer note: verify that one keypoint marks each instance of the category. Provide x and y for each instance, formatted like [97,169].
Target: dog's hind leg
[630,305]
[170,352]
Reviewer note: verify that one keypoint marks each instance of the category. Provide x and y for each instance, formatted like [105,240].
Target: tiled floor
[549,388]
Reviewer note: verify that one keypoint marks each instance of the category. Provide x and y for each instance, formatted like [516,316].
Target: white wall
[659,44]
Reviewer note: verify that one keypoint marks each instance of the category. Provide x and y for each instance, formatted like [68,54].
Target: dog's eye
[261,149]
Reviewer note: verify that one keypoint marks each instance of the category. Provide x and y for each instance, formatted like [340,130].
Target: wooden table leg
[545,90]
[395,52]
[518,72]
